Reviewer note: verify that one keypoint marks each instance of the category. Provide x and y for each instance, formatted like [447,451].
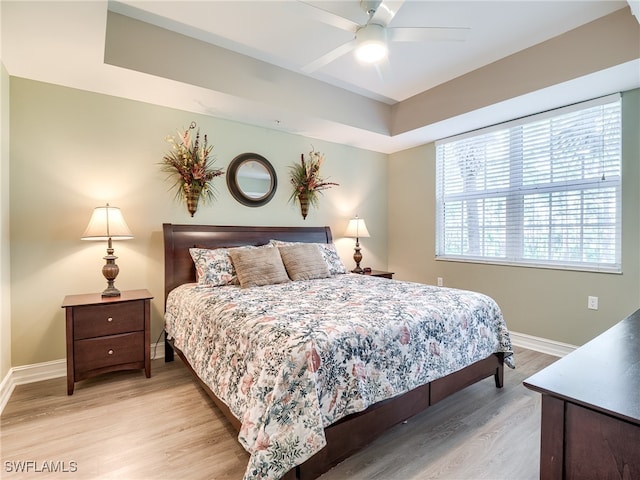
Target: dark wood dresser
[105,334]
[591,408]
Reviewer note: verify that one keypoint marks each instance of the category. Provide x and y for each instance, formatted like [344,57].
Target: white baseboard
[5,390]
[39,371]
[29,374]
[542,345]
[46,371]
[157,349]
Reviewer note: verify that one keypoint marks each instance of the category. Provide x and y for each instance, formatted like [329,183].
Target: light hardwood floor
[126,426]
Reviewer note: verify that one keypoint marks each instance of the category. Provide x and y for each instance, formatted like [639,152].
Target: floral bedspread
[293,358]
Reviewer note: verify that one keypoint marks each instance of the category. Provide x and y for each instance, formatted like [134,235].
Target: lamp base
[111,291]
[357,257]
[110,271]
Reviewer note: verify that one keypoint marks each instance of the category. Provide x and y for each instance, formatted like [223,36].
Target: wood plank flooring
[123,425]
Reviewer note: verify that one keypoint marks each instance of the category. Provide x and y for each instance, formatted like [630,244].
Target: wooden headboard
[178,239]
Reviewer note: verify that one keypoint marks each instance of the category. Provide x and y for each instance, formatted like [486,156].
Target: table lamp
[107,223]
[356,229]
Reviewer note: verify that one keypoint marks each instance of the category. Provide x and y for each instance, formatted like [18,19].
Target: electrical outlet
[592,303]
[440,282]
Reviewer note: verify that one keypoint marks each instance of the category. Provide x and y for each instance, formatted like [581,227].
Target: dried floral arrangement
[307,182]
[191,165]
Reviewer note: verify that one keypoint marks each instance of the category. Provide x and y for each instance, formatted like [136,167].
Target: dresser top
[603,374]
[98,299]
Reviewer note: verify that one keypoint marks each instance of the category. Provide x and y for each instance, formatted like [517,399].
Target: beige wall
[5,266]
[551,304]
[72,150]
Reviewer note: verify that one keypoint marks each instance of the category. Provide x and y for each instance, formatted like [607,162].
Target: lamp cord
[155,345]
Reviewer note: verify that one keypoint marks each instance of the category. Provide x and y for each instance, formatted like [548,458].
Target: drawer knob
[110,319]
[110,352]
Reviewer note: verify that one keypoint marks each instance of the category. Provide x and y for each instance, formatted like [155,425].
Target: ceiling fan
[370,40]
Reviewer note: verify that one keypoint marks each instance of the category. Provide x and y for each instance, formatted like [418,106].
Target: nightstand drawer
[97,320]
[107,334]
[103,352]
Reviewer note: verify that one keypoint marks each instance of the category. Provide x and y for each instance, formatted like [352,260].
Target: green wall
[5,262]
[72,151]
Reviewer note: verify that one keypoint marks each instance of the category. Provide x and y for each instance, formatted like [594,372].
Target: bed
[342,375]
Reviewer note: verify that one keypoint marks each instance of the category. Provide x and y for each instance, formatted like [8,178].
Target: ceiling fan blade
[319,14]
[386,11]
[428,34]
[327,58]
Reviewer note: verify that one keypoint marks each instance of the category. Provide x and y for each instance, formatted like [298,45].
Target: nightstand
[380,273]
[105,334]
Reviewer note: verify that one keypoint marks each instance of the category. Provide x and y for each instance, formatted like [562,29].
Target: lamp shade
[357,228]
[105,223]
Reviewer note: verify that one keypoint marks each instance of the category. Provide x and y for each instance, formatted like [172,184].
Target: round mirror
[251,179]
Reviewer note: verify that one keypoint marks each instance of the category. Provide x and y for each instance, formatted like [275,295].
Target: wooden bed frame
[355,431]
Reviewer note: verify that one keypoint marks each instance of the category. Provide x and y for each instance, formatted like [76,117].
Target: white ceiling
[287,34]
[64,43]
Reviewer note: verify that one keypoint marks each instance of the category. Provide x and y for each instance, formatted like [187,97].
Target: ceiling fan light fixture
[371,43]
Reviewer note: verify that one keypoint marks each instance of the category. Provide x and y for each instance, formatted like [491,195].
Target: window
[540,191]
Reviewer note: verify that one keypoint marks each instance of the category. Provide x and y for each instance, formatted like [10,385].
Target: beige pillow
[328,252]
[258,266]
[303,261]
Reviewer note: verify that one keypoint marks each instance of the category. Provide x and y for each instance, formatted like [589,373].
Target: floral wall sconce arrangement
[191,166]
[307,182]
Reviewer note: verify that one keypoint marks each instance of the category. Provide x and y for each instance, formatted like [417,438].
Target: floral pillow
[330,255]
[328,252]
[213,267]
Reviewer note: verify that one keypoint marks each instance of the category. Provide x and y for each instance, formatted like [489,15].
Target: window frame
[515,196]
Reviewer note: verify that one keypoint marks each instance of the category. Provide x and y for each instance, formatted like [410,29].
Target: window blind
[539,191]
